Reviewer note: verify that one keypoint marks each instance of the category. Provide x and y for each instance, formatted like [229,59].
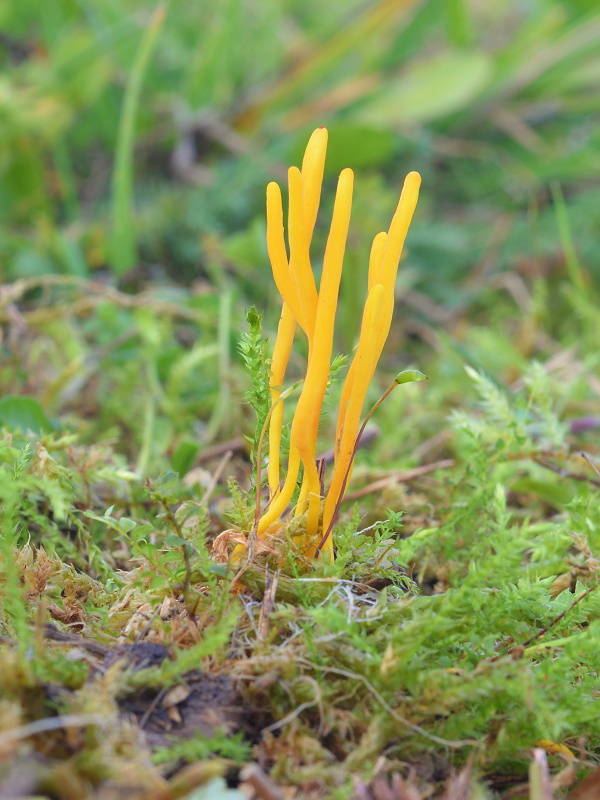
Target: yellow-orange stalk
[287,283]
[315,311]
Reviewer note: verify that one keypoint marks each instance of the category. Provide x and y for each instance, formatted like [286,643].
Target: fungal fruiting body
[313,311]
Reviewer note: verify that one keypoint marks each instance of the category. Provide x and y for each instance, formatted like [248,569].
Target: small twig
[558,618]
[456,743]
[589,461]
[574,476]
[145,630]
[398,477]
[370,433]
[235,445]
[95,292]
[52,724]
[291,716]
[152,707]
[51,632]
[584,424]
[518,649]
[216,475]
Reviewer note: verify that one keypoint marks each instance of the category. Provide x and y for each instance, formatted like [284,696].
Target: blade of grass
[566,238]
[458,23]
[149,422]
[123,244]
[323,56]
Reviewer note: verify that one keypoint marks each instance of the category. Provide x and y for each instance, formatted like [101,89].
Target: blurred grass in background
[491,101]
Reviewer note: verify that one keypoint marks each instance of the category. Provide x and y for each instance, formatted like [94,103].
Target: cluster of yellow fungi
[314,312]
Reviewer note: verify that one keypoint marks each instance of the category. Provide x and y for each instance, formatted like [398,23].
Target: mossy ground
[459,623]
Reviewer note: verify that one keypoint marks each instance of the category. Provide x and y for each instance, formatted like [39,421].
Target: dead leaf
[220,545]
[560,584]
[588,788]
[267,605]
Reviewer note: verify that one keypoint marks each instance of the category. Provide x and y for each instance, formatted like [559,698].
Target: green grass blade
[458,23]
[563,223]
[123,243]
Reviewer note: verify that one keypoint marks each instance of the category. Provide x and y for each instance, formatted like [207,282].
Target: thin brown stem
[370,413]
[398,477]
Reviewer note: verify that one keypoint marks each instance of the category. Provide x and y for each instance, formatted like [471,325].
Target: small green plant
[253,349]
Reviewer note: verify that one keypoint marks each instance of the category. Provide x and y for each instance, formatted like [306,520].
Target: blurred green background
[136,141]
[491,101]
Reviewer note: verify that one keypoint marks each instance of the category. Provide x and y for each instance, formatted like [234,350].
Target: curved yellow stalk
[277,253]
[364,363]
[315,312]
[281,356]
[392,251]
[343,405]
[300,268]
[302,497]
[306,419]
[400,224]
[386,251]
[384,259]
[287,324]
[312,174]
[309,404]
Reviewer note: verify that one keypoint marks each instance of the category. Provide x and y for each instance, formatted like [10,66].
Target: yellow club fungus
[313,311]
